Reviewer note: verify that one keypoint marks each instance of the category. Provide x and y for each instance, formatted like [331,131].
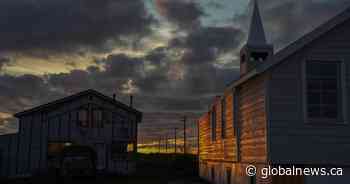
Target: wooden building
[87,119]
[287,108]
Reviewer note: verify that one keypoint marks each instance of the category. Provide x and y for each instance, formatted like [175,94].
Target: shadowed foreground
[151,169]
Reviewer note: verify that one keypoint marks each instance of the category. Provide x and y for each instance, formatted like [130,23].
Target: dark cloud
[173,104]
[293,19]
[205,44]
[124,66]
[208,80]
[185,13]
[76,80]
[68,24]
[222,38]
[214,4]
[287,20]
[64,25]
[156,90]
[19,92]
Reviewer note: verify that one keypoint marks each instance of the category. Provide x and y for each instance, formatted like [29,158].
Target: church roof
[299,44]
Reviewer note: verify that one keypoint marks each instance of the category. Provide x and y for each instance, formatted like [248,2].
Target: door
[101,156]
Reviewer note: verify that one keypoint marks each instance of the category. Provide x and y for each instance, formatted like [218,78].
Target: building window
[259,56]
[235,113]
[323,90]
[97,118]
[83,118]
[243,58]
[213,124]
[223,118]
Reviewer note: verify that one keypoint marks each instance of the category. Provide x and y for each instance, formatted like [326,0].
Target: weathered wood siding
[26,152]
[252,122]
[292,139]
[246,135]
[220,149]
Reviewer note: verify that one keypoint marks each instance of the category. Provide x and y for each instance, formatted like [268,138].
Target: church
[287,109]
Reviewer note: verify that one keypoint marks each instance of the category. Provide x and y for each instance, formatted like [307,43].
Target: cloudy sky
[174,56]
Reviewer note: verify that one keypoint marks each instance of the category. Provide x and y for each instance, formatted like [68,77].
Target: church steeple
[256,32]
[256,50]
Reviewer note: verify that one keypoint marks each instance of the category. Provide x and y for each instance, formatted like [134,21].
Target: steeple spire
[256,51]
[256,35]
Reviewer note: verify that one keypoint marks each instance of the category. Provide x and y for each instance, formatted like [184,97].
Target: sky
[174,56]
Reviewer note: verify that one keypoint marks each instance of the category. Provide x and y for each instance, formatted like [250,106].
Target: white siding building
[289,108]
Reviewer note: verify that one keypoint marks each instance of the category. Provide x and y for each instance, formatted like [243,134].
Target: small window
[83,118]
[259,56]
[235,113]
[323,90]
[243,58]
[223,118]
[97,118]
[213,124]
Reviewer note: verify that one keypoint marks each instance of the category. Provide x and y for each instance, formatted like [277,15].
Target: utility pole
[175,139]
[159,143]
[166,144]
[184,120]
[198,138]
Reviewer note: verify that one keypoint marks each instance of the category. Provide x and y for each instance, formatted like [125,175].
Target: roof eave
[294,47]
[62,100]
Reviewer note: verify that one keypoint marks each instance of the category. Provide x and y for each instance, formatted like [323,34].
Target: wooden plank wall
[246,134]
[221,149]
[25,153]
[252,121]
